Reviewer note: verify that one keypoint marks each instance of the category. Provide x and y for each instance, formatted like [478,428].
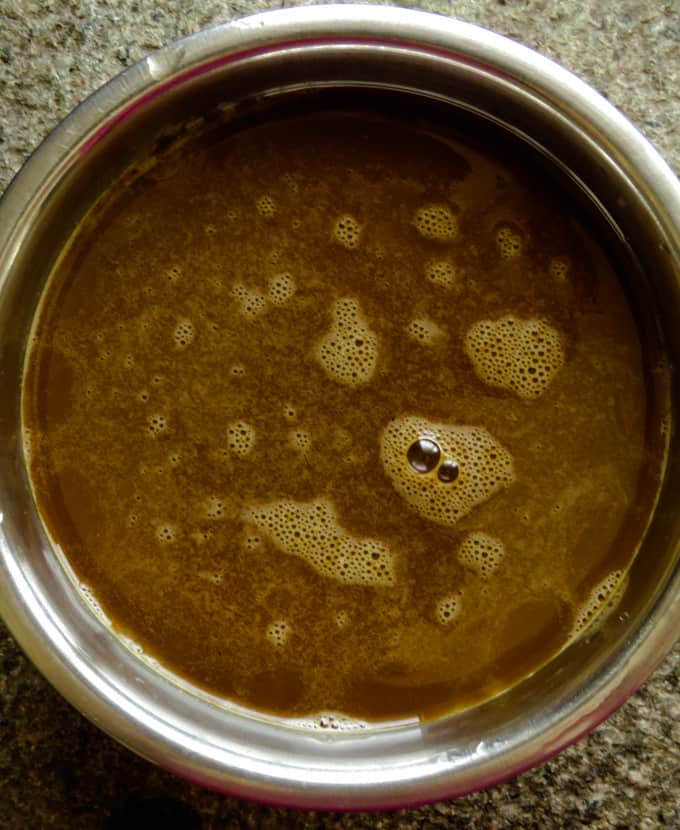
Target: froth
[278,633]
[266,206]
[173,274]
[436,222]
[252,302]
[216,507]
[311,531]
[606,593]
[509,243]
[165,534]
[349,350]
[485,467]
[425,331]
[281,289]
[520,355]
[481,553]
[157,425]
[444,273]
[347,232]
[448,607]
[241,438]
[341,619]
[95,607]
[183,334]
[559,268]
[327,720]
[300,440]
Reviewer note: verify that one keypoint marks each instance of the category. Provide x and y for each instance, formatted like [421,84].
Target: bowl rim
[27,611]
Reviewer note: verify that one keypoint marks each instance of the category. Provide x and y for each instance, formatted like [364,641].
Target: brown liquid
[146,353]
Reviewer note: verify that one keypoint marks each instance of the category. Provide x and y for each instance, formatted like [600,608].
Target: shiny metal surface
[187,733]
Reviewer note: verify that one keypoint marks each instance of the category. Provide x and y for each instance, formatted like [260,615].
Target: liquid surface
[336,416]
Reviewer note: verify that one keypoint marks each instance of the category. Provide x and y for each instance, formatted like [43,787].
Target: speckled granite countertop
[56,770]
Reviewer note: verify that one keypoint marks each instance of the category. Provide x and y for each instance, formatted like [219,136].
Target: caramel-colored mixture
[335,414]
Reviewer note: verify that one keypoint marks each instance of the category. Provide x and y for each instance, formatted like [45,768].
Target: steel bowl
[468,70]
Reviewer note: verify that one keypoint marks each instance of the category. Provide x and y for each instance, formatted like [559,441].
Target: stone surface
[58,771]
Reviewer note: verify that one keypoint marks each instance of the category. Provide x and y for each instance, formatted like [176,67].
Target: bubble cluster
[214,577]
[559,268]
[481,553]
[266,206]
[326,720]
[347,232]
[342,619]
[183,334]
[252,302]
[300,440]
[444,273]
[156,424]
[281,289]
[252,541]
[425,331]
[241,438]
[27,440]
[278,633]
[520,355]
[349,350]
[215,508]
[165,534]
[448,608]
[436,222]
[237,370]
[604,594]
[509,242]
[89,598]
[484,467]
[311,531]
[173,274]
[290,181]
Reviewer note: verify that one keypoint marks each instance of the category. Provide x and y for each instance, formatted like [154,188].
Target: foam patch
[559,268]
[241,438]
[607,593]
[347,232]
[519,355]
[484,467]
[252,302]
[165,534]
[436,222]
[349,350]
[509,242]
[278,633]
[266,206]
[157,425]
[311,531]
[448,608]
[281,289]
[425,331]
[300,440]
[326,720]
[183,334]
[443,272]
[481,553]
